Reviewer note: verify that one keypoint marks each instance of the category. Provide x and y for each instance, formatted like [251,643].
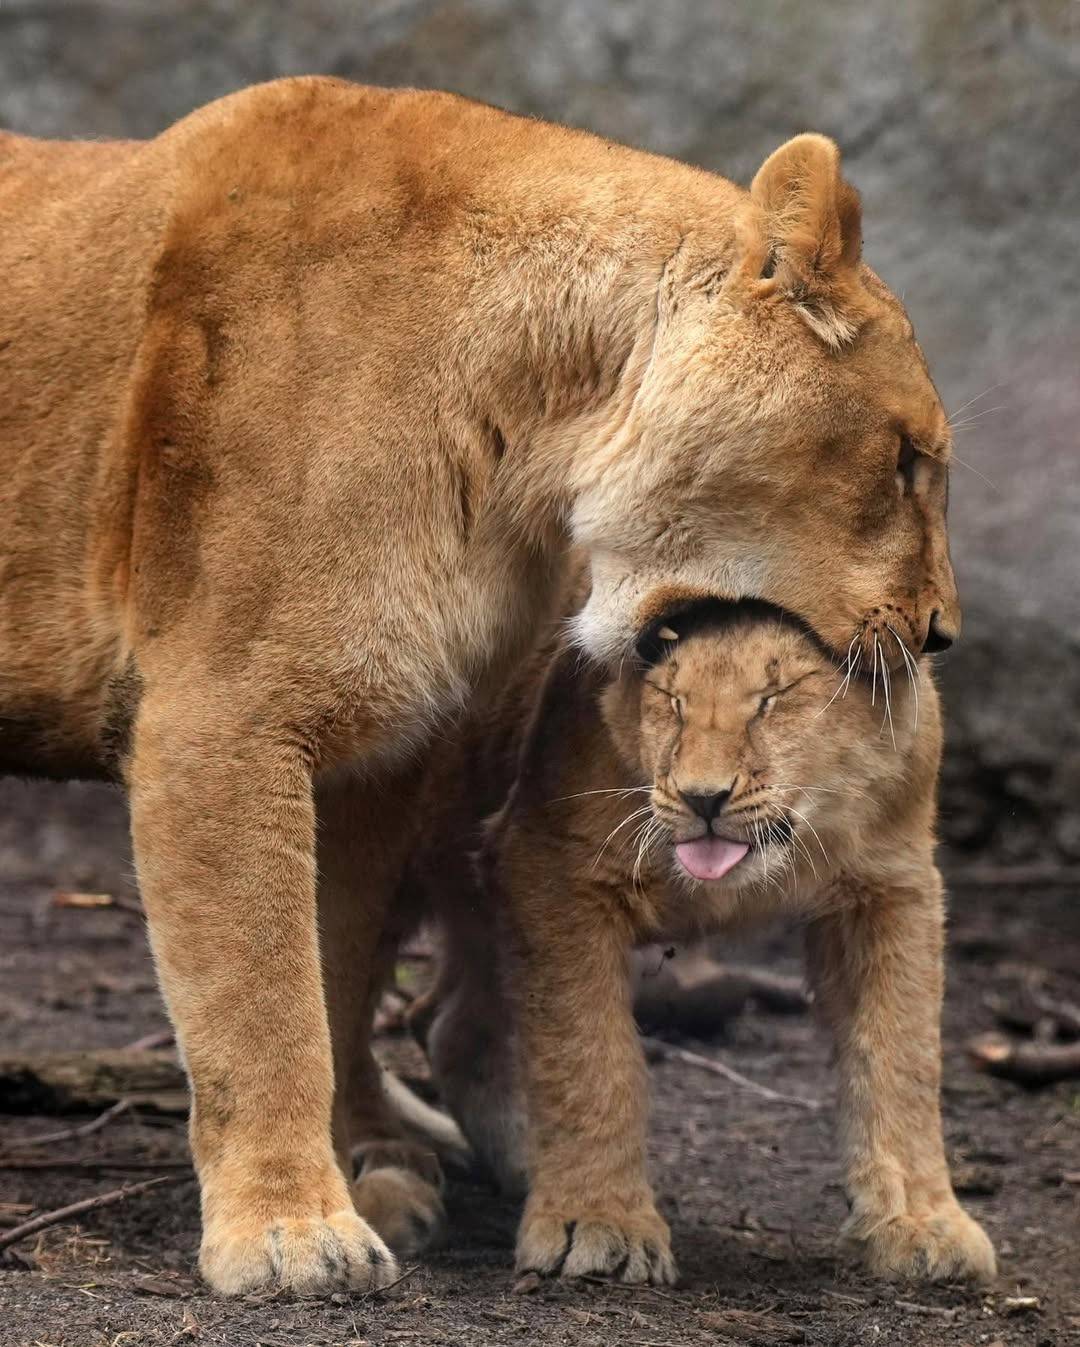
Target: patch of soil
[751,1188]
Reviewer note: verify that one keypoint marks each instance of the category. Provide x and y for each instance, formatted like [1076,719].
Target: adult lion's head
[786,440]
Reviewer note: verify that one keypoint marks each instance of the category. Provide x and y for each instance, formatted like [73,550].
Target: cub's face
[760,754]
[787,442]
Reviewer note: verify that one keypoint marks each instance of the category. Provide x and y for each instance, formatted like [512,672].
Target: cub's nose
[706,805]
[939,636]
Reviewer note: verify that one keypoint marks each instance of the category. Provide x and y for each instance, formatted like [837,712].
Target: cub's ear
[802,230]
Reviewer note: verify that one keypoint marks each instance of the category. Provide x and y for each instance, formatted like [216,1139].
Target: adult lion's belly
[417,668]
[76,247]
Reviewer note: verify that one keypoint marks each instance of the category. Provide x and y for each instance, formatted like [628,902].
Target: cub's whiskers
[635,814]
[614,790]
[792,810]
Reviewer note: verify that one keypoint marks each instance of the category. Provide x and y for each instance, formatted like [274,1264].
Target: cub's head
[786,440]
[762,755]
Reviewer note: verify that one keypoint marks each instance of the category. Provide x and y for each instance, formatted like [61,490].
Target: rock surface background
[959,121]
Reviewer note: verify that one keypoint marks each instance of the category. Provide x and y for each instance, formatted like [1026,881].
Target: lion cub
[736,773]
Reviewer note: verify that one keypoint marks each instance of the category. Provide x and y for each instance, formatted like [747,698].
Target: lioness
[734,773]
[300,405]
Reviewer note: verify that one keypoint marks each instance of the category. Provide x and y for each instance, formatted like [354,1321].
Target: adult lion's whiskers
[851,675]
[972,468]
[975,416]
[848,669]
[971,401]
[912,673]
[885,687]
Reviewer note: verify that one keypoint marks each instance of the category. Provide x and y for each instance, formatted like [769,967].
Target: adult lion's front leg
[877,968]
[223,825]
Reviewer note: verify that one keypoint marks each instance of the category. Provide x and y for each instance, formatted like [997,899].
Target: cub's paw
[402,1206]
[631,1247]
[942,1245]
[308,1255]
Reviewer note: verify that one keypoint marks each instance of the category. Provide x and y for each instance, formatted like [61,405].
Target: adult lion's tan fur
[300,403]
[579,866]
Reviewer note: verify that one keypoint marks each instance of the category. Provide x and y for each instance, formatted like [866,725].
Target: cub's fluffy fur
[300,403]
[830,781]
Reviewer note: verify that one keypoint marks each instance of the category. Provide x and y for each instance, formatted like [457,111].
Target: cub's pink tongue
[710,857]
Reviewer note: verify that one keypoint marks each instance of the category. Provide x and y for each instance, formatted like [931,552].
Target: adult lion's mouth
[710,857]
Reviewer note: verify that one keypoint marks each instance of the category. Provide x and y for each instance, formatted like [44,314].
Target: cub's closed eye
[767,700]
[674,700]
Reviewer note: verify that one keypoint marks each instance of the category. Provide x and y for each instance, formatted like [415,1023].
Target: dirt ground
[750,1187]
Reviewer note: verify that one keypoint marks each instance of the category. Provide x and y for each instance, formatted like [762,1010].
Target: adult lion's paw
[310,1256]
[403,1207]
[943,1244]
[635,1247]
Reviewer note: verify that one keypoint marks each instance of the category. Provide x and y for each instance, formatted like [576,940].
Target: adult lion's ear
[810,215]
[802,232]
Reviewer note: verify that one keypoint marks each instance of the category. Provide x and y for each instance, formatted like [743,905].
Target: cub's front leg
[590,1209]
[877,965]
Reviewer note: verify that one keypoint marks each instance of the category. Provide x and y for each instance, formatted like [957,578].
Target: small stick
[913,1307]
[70,1133]
[97,900]
[633,1288]
[1028,1063]
[659,1051]
[381,1290]
[163,1038]
[116,1162]
[62,1214]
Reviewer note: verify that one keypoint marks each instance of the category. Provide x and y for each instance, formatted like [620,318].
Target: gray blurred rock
[959,119]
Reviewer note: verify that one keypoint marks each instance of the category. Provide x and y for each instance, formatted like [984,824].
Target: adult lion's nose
[940,634]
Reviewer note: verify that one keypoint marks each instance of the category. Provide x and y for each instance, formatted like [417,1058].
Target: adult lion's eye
[766,704]
[905,465]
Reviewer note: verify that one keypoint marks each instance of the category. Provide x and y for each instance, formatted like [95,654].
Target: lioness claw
[308,1256]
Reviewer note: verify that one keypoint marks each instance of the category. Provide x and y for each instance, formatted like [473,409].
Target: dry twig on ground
[657,1051]
[61,1214]
[1027,1063]
[71,1133]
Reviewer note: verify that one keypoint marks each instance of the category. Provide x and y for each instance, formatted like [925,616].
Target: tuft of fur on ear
[802,232]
